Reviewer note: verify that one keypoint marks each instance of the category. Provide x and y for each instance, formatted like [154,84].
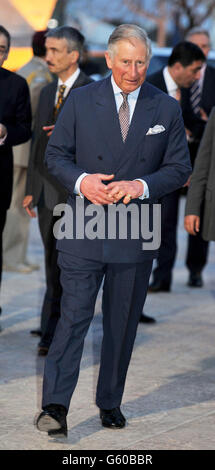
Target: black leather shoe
[36,332]
[146,319]
[195,280]
[42,350]
[159,286]
[112,418]
[53,420]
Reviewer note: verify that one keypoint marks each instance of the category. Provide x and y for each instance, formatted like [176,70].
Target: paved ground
[169,399]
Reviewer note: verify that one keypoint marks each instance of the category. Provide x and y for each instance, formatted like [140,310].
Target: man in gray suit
[202,188]
[202,99]
[63,50]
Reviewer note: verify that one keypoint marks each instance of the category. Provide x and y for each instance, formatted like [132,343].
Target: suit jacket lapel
[81,80]
[49,105]
[108,119]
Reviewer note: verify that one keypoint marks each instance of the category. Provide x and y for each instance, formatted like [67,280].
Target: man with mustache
[63,50]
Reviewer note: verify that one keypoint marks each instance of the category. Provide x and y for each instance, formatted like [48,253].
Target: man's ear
[108,60]
[75,56]
[178,66]
[5,56]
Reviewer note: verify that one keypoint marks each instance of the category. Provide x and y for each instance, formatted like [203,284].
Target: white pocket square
[155,130]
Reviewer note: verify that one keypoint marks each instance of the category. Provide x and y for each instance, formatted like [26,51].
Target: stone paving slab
[169,400]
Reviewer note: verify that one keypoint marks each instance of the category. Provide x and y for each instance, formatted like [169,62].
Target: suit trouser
[124,292]
[197,249]
[197,253]
[3,213]
[51,304]
[168,248]
[16,231]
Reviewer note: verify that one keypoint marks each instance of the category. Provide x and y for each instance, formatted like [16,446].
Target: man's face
[58,58]
[3,49]
[186,76]
[128,64]
[201,40]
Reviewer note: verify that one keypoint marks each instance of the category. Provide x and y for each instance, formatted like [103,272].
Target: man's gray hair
[74,38]
[128,31]
[197,30]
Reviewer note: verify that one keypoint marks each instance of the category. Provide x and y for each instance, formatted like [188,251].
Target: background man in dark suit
[63,50]
[118,139]
[15,126]
[16,231]
[184,66]
[202,98]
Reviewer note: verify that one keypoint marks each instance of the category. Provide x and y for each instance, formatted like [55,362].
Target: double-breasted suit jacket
[87,138]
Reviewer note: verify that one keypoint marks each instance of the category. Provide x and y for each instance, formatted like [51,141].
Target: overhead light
[52,23]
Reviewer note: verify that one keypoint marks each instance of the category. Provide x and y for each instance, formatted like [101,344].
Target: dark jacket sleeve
[199,179]
[19,128]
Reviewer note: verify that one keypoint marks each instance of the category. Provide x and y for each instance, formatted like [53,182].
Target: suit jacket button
[100,157]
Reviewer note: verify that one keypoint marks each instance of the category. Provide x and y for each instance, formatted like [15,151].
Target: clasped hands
[93,188]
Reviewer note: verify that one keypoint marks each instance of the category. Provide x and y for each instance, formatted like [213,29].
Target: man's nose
[133,70]
[48,56]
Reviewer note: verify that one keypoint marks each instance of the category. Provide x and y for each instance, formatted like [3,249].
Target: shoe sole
[113,426]
[47,423]
[42,351]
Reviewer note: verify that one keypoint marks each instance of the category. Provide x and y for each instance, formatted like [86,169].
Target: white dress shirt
[171,85]
[132,99]
[2,139]
[68,83]
[202,76]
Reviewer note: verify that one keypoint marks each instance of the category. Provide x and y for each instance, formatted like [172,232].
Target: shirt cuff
[145,194]
[3,139]
[78,184]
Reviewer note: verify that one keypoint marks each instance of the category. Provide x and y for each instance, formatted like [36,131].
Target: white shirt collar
[133,94]
[70,81]
[202,75]
[170,83]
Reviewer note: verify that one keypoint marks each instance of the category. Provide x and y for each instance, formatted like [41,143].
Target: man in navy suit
[118,142]
[15,126]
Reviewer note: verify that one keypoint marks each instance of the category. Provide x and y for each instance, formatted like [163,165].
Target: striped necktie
[59,99]
[124,116]
[195,97]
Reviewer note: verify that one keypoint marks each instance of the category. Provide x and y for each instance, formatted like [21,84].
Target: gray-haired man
[63,50]
[128,134]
